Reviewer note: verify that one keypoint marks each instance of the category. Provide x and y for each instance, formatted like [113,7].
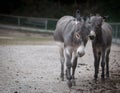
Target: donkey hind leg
[68,57]
[107,63]
[97,56]
[103,64]
[62,63]
[74,64]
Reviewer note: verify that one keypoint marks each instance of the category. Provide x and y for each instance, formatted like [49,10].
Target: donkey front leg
[107,63]
[68,56]
[96,62]
[74,64]
[103,64]
[62,63]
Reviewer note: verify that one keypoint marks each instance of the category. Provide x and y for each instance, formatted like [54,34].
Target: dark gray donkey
[72,35]
[101,36]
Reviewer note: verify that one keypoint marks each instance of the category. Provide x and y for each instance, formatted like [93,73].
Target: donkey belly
[107,34]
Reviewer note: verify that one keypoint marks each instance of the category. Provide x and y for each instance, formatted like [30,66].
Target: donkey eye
[89,22]
[97,26]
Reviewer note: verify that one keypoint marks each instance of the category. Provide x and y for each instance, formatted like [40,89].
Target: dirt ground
[35,68]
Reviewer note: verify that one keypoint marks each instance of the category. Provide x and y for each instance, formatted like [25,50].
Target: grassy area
[25,40]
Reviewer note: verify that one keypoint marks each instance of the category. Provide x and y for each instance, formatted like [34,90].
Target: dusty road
[36,69]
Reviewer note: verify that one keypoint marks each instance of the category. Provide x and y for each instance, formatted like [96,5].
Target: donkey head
[95,26]
[80,37]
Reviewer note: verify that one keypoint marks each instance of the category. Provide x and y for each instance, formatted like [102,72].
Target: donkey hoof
[107,75]
[73,83]
[102,76]
[103,80]
[69,83]
[95,80]
[95,77]
[108,78]
[62,79]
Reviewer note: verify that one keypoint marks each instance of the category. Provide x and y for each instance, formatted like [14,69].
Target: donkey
[72,34]
[101,36]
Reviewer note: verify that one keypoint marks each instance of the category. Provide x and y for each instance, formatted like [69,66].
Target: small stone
[88,69]
[57,78]
[17,74]
[15,92]
[41,77]
[30,87]
[17,81]
[20,87]
[8,68]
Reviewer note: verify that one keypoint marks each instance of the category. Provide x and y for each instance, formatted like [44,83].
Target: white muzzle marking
[81,51]
[92,33]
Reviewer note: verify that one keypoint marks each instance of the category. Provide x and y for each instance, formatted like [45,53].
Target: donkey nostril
[80,54]
[92,37]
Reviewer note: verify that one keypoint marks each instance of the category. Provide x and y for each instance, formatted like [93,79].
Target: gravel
[36,69]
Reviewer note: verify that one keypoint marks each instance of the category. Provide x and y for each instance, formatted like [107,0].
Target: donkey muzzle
[80,51]
[92,35]
[80,54]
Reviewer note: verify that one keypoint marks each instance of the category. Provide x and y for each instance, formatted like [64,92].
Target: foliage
[58,8]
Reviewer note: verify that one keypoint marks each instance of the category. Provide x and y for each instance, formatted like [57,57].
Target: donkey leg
[74,64]
[62,63]
[68,56]
[107,63]
[96,63]
[103,64]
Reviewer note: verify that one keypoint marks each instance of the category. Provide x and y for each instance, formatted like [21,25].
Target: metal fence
[40,23]
[116,32]
[43,24]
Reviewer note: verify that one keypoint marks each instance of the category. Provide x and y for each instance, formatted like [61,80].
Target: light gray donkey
[72,35]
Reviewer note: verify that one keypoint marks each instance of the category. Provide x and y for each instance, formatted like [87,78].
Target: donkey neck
[98,38]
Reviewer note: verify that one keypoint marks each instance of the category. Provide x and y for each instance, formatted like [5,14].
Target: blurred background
[42,15]
[58,8]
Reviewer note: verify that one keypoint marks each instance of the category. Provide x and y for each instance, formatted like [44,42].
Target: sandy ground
[36,69]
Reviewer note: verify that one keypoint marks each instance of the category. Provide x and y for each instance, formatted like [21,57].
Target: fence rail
[42,24]
[116,32]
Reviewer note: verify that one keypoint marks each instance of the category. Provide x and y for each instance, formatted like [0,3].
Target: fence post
[18,21]
[116,33]
[46,23]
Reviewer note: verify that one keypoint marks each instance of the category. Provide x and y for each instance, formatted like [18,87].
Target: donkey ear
[84,18]
[105,17]
[77,15]
[97,14]
[77,11]
[91,15]
[87,19]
